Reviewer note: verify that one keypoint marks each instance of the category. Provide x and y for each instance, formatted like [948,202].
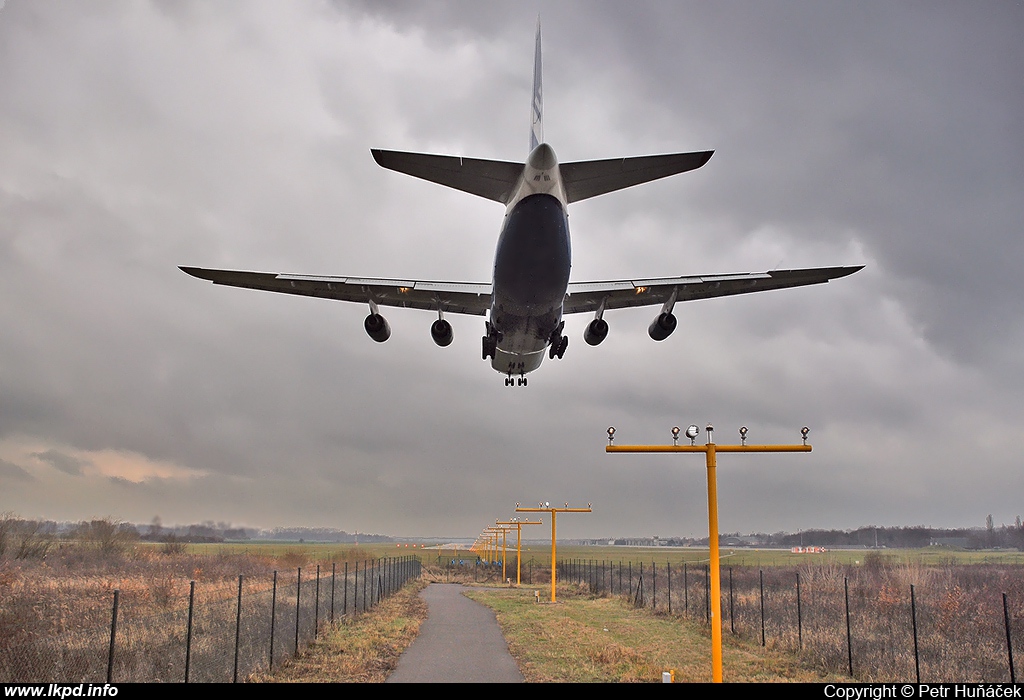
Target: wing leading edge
[582,297]
[450,297]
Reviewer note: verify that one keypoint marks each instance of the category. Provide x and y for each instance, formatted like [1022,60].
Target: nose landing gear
[513,381]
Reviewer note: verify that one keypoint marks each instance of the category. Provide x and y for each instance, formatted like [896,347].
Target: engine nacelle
[441,332]
[597,331]
[662,327]
[377,327]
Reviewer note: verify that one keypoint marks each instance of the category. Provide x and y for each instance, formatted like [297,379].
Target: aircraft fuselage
[531,268]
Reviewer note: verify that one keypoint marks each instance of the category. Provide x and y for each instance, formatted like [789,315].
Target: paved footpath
[459,642]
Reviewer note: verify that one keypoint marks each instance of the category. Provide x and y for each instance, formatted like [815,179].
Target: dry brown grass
[55,613]
[363,650]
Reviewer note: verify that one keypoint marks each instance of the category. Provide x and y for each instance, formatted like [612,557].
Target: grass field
[541,554]
[56,610]
[588,639]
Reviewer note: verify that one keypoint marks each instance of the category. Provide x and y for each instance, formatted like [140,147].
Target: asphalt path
[460,642]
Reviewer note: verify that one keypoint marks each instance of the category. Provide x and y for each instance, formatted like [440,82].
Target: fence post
[668,568]
[654,586]
[344,609]
[298,609]
[316,606]
[913,619]
[732,613]
[686,593]
[334,572]
[760,578]
[849,645]
[188,633]
[273,615]
[113,637]
[800,622]
[707,594]
[238,628]
[1009,643]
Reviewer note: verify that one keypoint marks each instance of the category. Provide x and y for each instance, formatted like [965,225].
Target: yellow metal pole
[716,579]
[553,513]
[519,553]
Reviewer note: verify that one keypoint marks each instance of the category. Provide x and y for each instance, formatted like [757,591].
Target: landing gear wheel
[557,347]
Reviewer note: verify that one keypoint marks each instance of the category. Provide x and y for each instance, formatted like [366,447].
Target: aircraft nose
[543,158]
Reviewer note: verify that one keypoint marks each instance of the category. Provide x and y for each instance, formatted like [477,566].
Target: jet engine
[662,326]
[441,332]
[377,327]
[597,331]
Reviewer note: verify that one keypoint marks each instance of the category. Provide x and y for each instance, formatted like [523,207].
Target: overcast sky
[139,136]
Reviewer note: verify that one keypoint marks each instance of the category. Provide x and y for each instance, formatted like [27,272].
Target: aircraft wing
[584,297]
[450,297]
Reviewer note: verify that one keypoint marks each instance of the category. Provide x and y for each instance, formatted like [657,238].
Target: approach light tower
[518,522]
[546,508]
[710,449]
[504,532]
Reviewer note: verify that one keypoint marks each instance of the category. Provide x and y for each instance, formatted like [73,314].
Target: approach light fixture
[692,432]
[675,435]
[611,434]
[803,432]
[743,435]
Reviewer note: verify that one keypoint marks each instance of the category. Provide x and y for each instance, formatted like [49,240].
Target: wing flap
[589,178]
[450,297]
[490,179]
[588,296]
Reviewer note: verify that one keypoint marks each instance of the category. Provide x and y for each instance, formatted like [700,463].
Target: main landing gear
[558,344]
[490,344]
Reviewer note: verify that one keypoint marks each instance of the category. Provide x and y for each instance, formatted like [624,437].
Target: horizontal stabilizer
[490,179]
[589,178]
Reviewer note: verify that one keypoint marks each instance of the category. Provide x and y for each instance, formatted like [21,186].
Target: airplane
[530,291]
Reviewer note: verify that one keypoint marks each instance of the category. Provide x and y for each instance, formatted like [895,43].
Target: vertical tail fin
[537,110]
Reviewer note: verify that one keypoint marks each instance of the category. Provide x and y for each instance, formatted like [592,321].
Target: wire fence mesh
[219,631]
[955,629]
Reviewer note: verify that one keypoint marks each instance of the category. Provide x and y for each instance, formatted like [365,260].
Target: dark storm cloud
[12,472]
[141,137]
[62,462]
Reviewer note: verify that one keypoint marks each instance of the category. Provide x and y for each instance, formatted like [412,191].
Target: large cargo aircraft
[530,291]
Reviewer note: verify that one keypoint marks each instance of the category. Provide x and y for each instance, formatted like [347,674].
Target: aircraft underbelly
[531,273]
